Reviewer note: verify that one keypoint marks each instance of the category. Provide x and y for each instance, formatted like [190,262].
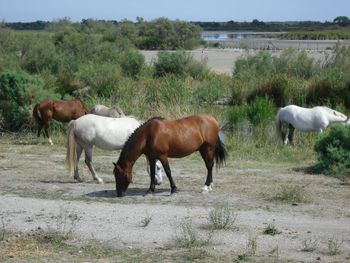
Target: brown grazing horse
[159,139]
[60,110]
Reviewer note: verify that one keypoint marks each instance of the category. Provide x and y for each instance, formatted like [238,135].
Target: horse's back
[105,132]
[183,136]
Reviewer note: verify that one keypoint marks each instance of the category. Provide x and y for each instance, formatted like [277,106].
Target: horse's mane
[131,138]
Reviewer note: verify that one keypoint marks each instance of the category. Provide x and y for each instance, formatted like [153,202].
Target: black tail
[220,153]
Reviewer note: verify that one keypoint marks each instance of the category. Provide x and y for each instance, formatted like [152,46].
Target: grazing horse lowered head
[59,110]
[160,139]
[316,119]
[102,110]
[105,133]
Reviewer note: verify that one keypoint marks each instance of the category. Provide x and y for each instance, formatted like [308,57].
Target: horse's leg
[207,153]
[46,129]
[40,127]
[158,172]
[285,132]
[88,161]
[165,163]
[152,168]
[76,170]
[291,134]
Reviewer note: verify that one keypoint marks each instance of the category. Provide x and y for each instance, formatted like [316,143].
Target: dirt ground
[36,191]
[222,60]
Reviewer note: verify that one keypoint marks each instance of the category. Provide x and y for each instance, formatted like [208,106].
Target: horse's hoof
[99,180]
[148,192]
[206,189]
[174,191]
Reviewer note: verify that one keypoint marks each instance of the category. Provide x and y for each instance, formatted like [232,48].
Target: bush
[18,93]
[132,63]
[234,116]
[171,63]
[260,112]
[275,89]
[333,152]
[103,79]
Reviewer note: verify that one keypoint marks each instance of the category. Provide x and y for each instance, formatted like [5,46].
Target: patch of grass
[222,216]
[334,246]
[309,245]
[146,220]
[42,246]
[2,229]
[271,230]
[189,237]
[65,224]
[252,245]
[291,194]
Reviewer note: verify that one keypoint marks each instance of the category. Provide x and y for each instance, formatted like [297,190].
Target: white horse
[105,133]
[305,119]
[102,110]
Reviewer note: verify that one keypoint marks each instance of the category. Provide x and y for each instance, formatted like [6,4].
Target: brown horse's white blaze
[160,139]
[60,110]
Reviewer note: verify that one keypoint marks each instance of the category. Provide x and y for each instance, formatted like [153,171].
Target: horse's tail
[71,156]
[220,153]
[278,125]
[36,113]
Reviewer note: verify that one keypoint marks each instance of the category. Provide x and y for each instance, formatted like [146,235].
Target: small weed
[189,236]
[252,245]
[2,229]
[271,230]
[146,220]
[221,217]
[242,257]
[309,245]
[66,222]
[334,246]
[291,194]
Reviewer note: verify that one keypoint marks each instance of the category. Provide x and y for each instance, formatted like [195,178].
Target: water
[233,35]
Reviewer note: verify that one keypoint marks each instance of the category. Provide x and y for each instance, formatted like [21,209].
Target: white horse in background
[105,133]
[102,110]
[305,119]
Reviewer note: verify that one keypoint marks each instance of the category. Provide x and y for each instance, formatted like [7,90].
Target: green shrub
[132,63]
[19,91]
[276,89]
[103,79]
[260,112]
[333,152]
[209,91]
[295,63]
[234,116]
[172,63]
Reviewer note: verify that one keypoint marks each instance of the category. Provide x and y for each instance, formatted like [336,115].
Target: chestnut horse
[160,139]
[59,110]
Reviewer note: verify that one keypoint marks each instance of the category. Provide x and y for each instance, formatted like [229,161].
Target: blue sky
[189,10]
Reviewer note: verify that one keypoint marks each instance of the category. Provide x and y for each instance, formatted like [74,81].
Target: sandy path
[222,60]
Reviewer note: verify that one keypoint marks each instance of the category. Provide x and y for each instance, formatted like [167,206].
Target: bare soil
[223,60]
[36,191]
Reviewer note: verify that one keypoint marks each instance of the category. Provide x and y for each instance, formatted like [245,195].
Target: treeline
[161,33]
[339,23]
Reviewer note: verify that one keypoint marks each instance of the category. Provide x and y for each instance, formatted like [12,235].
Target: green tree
[342,20]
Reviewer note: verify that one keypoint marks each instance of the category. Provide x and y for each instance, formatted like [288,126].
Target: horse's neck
[134,150]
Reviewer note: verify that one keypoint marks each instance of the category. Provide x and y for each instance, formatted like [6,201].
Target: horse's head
[122,179]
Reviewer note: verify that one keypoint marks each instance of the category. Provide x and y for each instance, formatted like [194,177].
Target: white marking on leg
[50,141]
[205,189]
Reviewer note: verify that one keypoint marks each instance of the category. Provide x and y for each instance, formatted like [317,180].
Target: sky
[188,10]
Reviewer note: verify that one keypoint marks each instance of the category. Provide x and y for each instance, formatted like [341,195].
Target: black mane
[129,141]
